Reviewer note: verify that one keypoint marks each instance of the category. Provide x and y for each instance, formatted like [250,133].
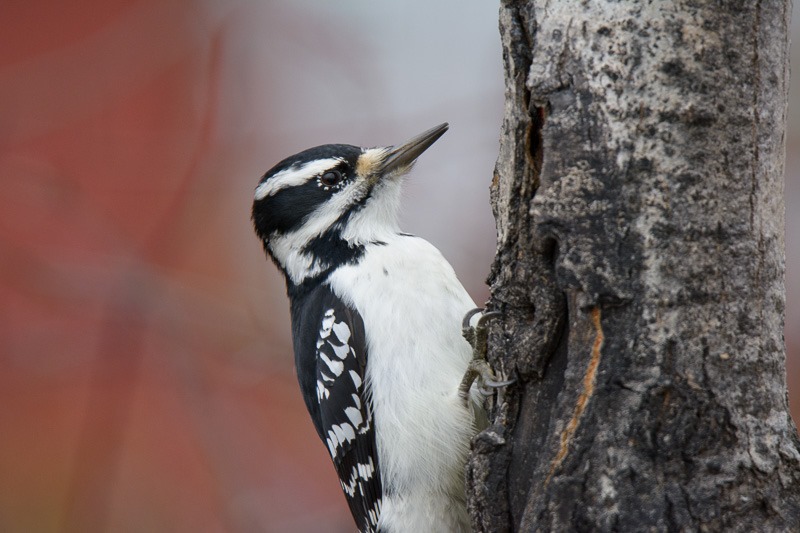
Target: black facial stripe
[288,209]
[329,247]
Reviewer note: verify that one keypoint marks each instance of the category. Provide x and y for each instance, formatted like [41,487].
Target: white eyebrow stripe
[293,176]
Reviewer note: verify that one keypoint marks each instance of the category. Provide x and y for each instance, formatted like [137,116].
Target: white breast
[412,305]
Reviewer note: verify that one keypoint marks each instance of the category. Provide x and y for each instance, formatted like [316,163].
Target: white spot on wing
[375,512]
[332,437]
[341,351]
[356,399]
[365,471]
[342,332]
[331,447]
[327,324]
[337,367]
[344,432]
[350,487]
[354,415]
[322,392]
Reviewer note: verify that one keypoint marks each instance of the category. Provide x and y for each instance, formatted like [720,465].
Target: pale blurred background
[146,379]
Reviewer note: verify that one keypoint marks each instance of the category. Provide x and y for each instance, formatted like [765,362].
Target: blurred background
[146,379]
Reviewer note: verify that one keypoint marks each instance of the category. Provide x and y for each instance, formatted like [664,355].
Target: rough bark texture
[640,259]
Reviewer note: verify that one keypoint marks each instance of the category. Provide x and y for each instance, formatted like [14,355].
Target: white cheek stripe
[294,176]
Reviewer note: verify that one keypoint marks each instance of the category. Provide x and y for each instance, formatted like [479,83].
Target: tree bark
[639,269]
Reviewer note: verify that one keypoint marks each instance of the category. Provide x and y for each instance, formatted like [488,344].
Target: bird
[379,320]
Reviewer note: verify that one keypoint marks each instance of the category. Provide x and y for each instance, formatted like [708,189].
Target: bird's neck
[312,262]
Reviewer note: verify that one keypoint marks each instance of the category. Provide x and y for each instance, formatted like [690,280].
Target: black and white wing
[337,398]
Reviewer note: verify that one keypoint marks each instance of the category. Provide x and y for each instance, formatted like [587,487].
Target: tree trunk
[639,269]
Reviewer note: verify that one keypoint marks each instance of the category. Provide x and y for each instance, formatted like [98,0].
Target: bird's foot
[478,369]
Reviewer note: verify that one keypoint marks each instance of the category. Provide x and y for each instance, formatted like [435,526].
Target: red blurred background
[146,380]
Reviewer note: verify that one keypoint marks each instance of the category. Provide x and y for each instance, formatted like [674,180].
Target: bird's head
[320,207]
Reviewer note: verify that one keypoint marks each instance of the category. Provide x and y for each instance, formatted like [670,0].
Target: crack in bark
[583,400]
[534,141]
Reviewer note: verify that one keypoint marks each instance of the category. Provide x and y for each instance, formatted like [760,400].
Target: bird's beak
[401,157]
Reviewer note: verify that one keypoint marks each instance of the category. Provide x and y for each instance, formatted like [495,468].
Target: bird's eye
[331,178]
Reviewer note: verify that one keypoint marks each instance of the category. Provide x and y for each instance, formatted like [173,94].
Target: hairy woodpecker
[376,326]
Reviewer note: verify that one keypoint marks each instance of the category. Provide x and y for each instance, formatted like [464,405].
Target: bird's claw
[481,325]
[497,384]
[478,368]
[468,317]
